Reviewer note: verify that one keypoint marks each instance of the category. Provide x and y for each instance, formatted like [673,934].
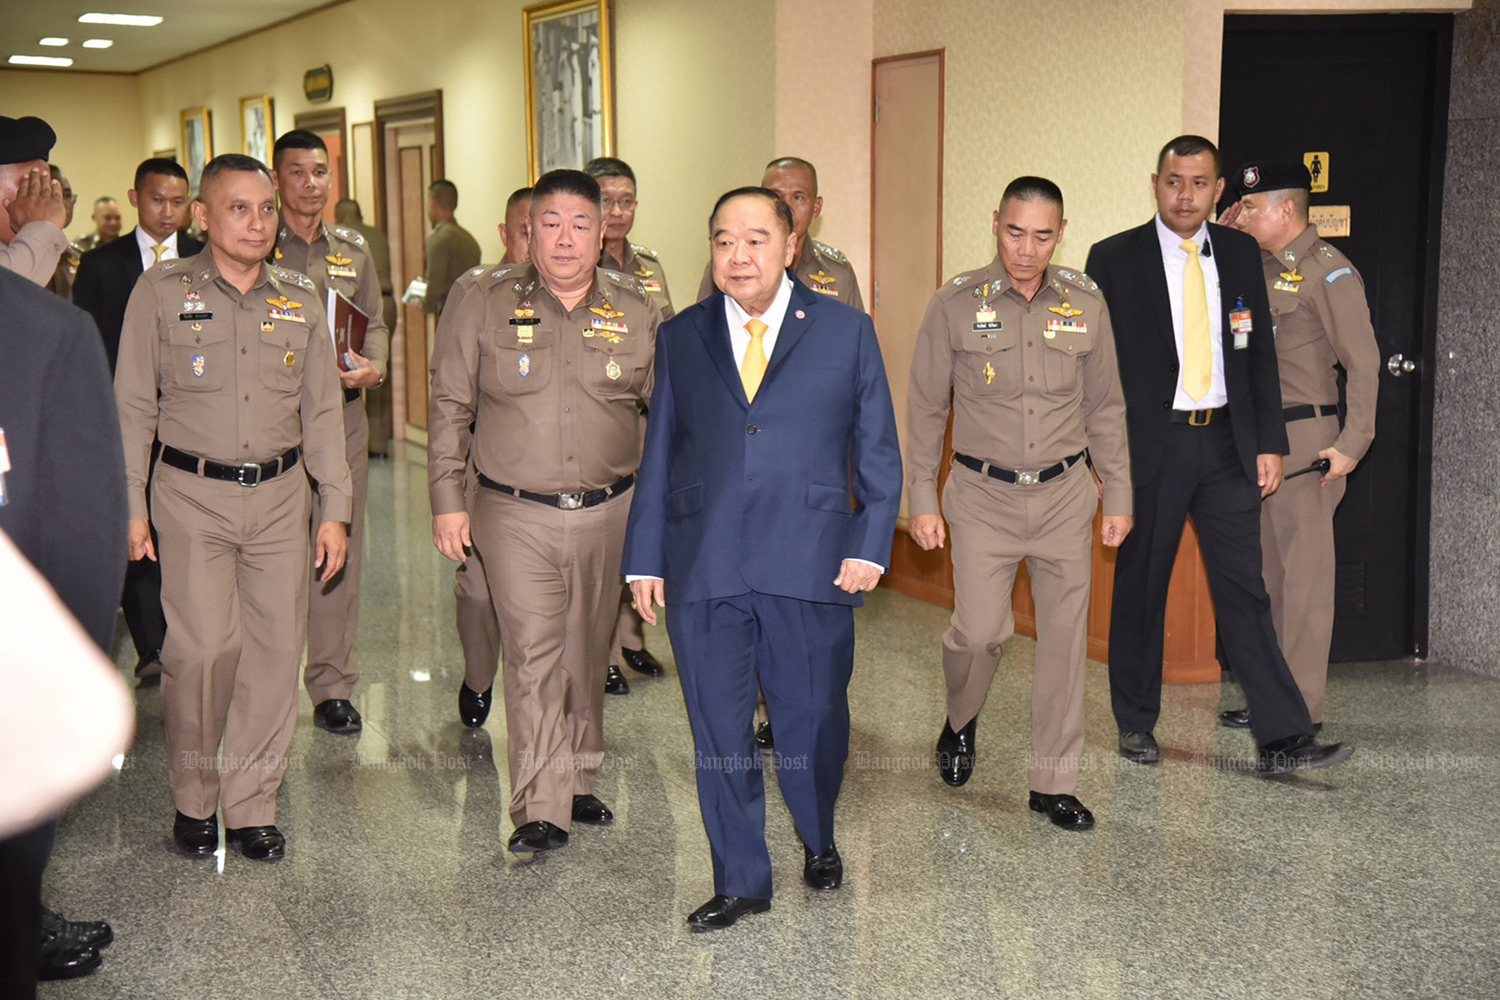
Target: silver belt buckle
[247,467]
[1028,478]
[570,501]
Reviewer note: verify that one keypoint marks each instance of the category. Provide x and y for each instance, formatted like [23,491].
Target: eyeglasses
[624,204]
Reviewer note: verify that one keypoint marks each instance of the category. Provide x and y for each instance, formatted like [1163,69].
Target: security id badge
[1240,325]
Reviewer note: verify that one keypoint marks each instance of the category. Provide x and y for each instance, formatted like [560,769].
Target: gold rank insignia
[338,266]
[988,373]
[279,254]
[612,369]
[524,311]
[1066,310]
[823,282]
[1289,280]
[197,327]
[282,308]
[605,324]
[339,260]
[266,326]
[289,359]
[644,272]
[198,365]
[983,291]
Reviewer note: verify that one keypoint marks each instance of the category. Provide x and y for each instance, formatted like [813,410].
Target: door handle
[1398,365]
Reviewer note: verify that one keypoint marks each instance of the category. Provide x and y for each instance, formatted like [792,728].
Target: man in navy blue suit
[765,506]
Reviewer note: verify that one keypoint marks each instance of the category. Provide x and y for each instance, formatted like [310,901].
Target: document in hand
[347,324]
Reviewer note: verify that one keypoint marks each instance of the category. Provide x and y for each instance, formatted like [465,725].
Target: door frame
[397,111]
[329,120]
[875,64]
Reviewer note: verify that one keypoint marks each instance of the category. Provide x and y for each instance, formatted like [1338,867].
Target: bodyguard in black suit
[1198,364]
[106,277]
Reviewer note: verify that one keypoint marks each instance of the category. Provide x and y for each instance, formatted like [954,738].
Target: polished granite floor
[1376,879]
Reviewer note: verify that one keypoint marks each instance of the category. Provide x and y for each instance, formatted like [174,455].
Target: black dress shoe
[1297,752]
[148,669]
[1237,719]
[196,838]
[614,681]
[955,752]
[474,708]
[93,933]
[722,911]
[65,957]
[588,809]
[1139,747]
[258,843]
[822,871]
[642,662]
[337,715]
[1063,810]
[537,836]
[764,738]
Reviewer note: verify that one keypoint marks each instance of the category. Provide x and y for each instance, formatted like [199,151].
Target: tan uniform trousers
[234,589]
[333,607]
[474,607]
[555,577]
[993,526]
[1297,559]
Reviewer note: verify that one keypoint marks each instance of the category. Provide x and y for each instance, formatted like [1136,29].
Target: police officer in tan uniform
[1027,352]
[451,249]
[817,265]
[347,213]
[228,360]
[107,222]
[1322,321]
[61,284]
[334,257]
[549,363]
[617,186]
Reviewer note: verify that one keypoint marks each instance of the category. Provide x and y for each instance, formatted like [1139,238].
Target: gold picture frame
[570,98]
[197,143]
[257,126]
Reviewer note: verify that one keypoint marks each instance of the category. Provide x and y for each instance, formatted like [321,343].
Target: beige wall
[97,118]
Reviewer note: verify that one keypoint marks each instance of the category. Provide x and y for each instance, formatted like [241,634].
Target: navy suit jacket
[1128,269]
[735,496]
[106,277]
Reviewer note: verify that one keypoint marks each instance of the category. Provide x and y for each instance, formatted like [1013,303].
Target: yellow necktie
[753,368]
[158,249]
[1197,349]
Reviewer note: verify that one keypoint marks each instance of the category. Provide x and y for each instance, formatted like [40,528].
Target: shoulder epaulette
[352,235]
[832,253]
[629,281]
[641,251]
[1077,278]
[297,278]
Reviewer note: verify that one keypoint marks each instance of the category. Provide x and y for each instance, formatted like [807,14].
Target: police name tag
[188,317]
[525,321]
[987,331]
[1240,325]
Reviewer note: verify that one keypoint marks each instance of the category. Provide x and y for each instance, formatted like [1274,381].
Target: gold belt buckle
[1193,421]
[570,501]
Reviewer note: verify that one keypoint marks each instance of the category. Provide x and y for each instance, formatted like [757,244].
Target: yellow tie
[158,249]
[1197,349]
[753,369]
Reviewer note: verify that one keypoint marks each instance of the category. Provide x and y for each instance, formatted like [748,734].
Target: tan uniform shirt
[228,377]
[823,269]
[379,249]
[61,284]
[33,252]
[555,397]
[1033,382]
[337,259]
[450,252]
[1322,319]
[643,263]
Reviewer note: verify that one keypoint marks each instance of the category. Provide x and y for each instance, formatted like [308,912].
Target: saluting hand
[363,376]
[140,540]
[450,533]
[646,596]
[331,550]
[926,530]
[38,198]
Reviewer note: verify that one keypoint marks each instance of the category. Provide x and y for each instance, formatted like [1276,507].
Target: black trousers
[23,858]
[1200,475]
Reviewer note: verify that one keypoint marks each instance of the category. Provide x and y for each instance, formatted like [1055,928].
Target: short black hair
[1190,145]
[158,165]
[445,193]
[609,166]
[227,163]
[349,205]
[794,161]
[783,210]
[102,199]
[297,138]
[1033,189]
[516,196]
[574,182]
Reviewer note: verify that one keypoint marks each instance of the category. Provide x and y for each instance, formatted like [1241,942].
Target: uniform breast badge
[989,373]
[338,266]
[606,324]
[823,282]
[266,326]
[1289,278]
[284,308]
[199,364]
[985,323]
[612,369]
[523,320]
[1066,324]
[289,359]
[523,365]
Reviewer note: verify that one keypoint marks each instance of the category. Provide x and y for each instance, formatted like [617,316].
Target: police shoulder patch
[1337,274]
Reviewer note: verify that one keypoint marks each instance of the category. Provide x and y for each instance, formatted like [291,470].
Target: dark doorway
[1370,94]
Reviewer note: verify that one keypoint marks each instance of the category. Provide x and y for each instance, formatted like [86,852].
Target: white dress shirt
[1174,260]
[148,256]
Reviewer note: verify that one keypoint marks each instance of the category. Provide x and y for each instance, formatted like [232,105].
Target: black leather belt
[1306,411]
[1018,478]
[563,501]
[249,474]
[1199,418]
[351,395]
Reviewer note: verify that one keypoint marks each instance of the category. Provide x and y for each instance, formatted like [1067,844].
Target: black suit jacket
[106,277]
[1128,269]
[65,491]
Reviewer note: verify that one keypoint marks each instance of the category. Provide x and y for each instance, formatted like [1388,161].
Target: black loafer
[764,738]
[148,669]
[1237,719]
[1298,752]
[1063,810]
[474,708]
[589,809]
[337,715]
[722,911]
[1139,747]
[197,838]
[64,957]
[614,681]
[822,871]
[642,662]
[537,836]
[93,933]
[955,752]
[258,843]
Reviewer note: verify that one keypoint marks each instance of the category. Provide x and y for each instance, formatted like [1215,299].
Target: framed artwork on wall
[197,143]
[257,127]
[569,84]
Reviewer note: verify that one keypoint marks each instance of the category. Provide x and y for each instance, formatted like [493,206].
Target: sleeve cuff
[632,577]
[868,563]
[1119,501]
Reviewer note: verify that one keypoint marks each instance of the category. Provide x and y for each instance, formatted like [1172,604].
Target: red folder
[347,324]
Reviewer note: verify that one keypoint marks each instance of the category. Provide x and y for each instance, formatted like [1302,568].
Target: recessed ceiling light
[133,20]
[53,41]
[97,43]
[39,61]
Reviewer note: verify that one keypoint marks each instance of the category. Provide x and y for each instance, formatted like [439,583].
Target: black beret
[1272,175]
[25,139]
